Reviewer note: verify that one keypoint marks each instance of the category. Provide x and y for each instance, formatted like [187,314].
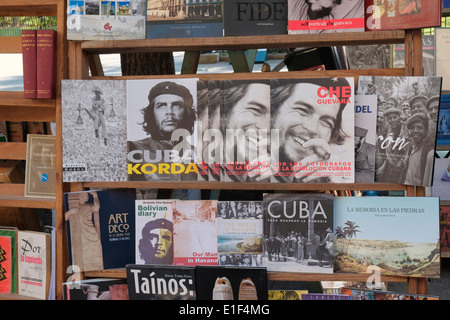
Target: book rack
[13,107]
[85,64]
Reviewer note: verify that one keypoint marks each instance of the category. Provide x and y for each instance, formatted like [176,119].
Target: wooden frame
[84,58]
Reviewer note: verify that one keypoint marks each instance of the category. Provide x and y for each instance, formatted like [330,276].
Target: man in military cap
[433,111]
[170,108]
[364,157]
[418,104]
[420,152]
[155,245]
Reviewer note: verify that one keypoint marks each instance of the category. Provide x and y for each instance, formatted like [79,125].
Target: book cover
[16,131]
[240,233]
[45,63]
[365,294]
[34,263]
[312,134]
[441,179]
[195,232]
[100,228]
[408,110]
[253,18]
[8,261]
[407,246]
[151,282]
[202,125]
[444,223]
[245,126]
[161,131]
[286,294]
[443,125]
[94,144]
[365,137]
[184,19]
[214,152]
[306,16]
[231,283]
[96,289]
[402,14]
[35,127]
[441,60]
[40,166]
[298,232]
[29,63]
[106,20]
[324,296]
[154,232]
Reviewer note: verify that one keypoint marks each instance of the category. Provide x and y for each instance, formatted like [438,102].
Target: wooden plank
[21,113]
[246,185]
[13,150]
[190,62]
[239,61]
[11,45]
[243,42]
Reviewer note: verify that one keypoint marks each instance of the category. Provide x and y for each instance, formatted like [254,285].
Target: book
[441,180]
[408,110]
[161,129]
[444,223]
[402,14]
[245,126]
[29,63]
[94,145]
[365,137]
[443,125]
[151,282]
[240,233]
[154,231]
[231,283]
[254,17]
[214,151]
[35,127]
[106,20]
[202,125]
[100,228]
[324,296]
[304,147]
[40,166]
[286,294]
[45,63]
[298,232]
[187,19]
[34,263]
[365,294]
[442,44]
[408,246]
[325,17]
[16,131]
[195,232]
[8,260]
[95,289]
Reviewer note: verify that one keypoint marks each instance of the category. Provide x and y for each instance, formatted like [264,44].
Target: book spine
[29,63]
[45,57]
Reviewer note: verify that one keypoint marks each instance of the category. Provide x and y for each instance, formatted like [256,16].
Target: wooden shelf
[243,42]
[273,276]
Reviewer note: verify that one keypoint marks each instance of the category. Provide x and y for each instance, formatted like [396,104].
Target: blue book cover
[100,228]
[397,236]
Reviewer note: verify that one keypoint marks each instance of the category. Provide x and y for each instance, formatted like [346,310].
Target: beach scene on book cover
[106,20]
[396,236]
[94,130]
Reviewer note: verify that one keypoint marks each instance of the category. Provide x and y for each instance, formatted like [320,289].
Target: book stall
[325,181]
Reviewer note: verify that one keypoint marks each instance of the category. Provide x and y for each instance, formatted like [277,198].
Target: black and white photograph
[94,130]
[408,110]
[298,232]
[325,16]
[245,126]
[160,129]
[365,137]
[315,130]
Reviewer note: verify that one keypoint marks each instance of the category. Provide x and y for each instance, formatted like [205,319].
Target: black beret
[169,87]
[157,224]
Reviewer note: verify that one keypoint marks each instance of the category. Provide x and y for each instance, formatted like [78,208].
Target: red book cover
[29,63]
[46,58]
[402,14]
[5,265]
